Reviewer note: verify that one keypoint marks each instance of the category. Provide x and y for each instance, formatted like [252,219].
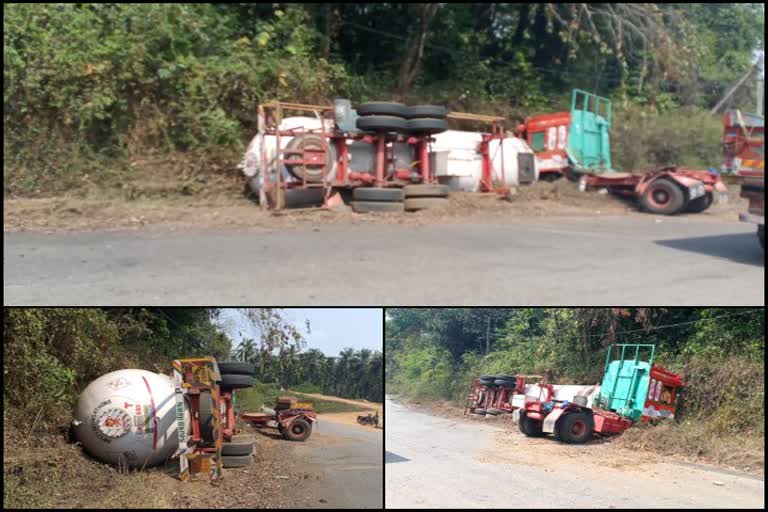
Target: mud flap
[551,419]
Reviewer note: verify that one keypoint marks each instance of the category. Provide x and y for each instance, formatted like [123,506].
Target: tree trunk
[414,48]
[332,27]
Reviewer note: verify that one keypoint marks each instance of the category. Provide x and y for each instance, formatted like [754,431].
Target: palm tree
[245,350]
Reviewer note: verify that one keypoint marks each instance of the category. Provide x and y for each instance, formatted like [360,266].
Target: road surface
[621,260]
[435,462]
[350,460]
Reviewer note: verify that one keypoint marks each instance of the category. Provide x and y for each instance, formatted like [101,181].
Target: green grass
[252,399]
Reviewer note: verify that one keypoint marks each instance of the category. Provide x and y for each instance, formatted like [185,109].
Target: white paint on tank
[129,417]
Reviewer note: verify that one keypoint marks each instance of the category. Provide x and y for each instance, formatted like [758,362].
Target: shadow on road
[391,457]
[738,247]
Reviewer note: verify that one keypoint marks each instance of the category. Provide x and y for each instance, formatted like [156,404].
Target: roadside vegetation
[157,100]
[252,399]
[433,354]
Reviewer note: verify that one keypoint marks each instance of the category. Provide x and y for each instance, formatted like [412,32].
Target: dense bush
[88,81]
[51,354]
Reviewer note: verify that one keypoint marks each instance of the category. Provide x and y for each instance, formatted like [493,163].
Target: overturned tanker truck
[633,389]
[136,418]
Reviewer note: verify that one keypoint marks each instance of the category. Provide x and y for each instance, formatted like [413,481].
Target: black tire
[663,197]
[504,382]
[700,204]
[304,198]
[434,111]
[506,377]
[761,236]
[426,125]
[378,194]
[484,377]
[376,207]
[430,191]
[480,411]
[236,461]
[381,124]
[237,449]
[493,411]
[413,204]
[521,424]
[236,381]
[529,427]
[314,173]
[484,382]
[575,427]
[237,367]
[299,430]
[382,108]
[205,417]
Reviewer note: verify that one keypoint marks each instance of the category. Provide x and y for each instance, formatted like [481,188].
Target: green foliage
[51,354]
[642,138]
[353,374]
[87,86]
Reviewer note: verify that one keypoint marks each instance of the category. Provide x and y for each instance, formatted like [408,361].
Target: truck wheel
[235,381]
[382,108]
[434,111]
[700,204]
[382,124]
[237,448]
[205,417]
[427,125]
[480,411]
[377,206]
[575,427]
[377,194]
[299,430]
[413,204]
[431,191]
[529,427]
[493,411]
[236,367]
[236,461]
[663,197]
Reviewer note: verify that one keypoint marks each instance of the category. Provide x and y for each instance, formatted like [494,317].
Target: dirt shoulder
[653,443]
[50,473]
[364,404]
[233,211]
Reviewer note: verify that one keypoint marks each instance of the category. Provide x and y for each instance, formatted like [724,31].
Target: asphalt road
[622,260]
[349,458]
[440,463]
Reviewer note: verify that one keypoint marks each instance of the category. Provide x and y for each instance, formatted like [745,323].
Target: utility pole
[734,89]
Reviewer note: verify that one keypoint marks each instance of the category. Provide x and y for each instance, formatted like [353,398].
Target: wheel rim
[297,429]
[578,428]
[660,197]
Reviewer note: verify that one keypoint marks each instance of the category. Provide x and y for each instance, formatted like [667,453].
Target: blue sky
[332,329]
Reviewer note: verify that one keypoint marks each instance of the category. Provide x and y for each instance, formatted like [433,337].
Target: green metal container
[589,146]
[625,379]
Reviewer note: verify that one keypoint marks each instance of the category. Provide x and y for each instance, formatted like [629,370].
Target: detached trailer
[576,144]
[632,389]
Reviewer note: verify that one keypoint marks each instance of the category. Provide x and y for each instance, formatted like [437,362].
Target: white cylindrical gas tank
[464,163]
[129,417]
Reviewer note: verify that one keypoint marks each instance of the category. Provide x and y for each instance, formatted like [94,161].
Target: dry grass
[699,441]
